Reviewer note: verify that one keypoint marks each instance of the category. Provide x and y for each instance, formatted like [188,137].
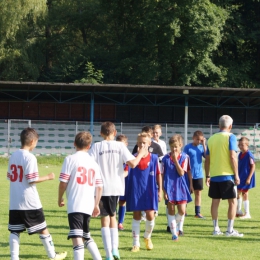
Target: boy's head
[29,138]
[243,144]
[157,132]
[122,138]
[176,143]
[197,138]
[148,130]
[83,140]
[143,139]
[107,129]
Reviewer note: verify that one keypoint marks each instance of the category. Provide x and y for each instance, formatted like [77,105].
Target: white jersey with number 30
[22,170]
[82,174]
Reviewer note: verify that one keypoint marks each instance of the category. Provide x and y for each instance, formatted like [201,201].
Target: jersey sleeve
[127,156]
[31,169]
[185,164]
[232,143]
[98,179]
[92,152]
[158,167]
[65,171]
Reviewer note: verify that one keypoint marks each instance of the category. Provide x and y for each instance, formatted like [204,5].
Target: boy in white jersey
[157,133]
[111,155]
[25,208]
[80,178]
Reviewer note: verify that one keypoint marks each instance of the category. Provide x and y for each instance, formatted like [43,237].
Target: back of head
[197,133]
[28,135]
[225,122]
[121,138]
[176,139]
[147,129]
[83,140]
[107,128]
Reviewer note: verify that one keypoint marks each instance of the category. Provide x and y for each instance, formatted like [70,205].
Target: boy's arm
[179,169]
[204,146]
[142,151]
[159,183]
[207,174]
[48,177]
[190,180]
[62,188]
[252,170]
[233,161]
[96,210]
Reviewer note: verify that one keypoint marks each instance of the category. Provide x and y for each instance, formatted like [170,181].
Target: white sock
[114,238]
[136,232]
[14,243]
[106,237]
[149,225]
[246,207]
[181,222]
[93,249]
[215,225]
[48,245]
[78,252]
[239,205]
[230,225]
[172,224]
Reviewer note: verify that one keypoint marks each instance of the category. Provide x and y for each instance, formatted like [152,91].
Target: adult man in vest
[221,171]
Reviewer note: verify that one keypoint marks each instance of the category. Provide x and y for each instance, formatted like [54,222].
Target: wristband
[207,177]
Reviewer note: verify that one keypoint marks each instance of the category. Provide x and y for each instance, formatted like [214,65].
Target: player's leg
[246,205]
[78,248]
[180,216]
[172,220]
[121,214]
[239,211]
[149,226]
[136,230]
[198,187]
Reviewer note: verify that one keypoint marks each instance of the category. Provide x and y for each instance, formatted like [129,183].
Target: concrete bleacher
[58,137]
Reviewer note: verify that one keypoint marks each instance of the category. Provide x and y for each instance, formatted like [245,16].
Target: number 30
[85,176]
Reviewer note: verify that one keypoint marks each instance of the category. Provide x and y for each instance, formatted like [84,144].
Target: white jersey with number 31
[82,174]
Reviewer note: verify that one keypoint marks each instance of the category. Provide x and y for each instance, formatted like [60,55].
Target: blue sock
[121,214]
[197,210]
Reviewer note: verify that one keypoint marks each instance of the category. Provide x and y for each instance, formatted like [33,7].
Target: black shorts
[32,220]
[79,225]
[222,190]
[108,205]
[197,184]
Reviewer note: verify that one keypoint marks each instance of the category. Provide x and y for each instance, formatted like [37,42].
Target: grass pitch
[197,242]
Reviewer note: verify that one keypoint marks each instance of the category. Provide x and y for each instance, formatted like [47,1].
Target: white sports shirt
[111,156]
[22,170]
[82,174]
[162,144]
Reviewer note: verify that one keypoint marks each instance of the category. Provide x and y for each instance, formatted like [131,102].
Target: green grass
[197,242]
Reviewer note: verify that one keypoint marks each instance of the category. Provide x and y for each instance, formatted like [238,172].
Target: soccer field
[197,242]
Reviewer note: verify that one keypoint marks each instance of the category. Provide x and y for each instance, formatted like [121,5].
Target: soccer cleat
[148,243]
[175,238]
[168,229]
[59,256]
[234,233]
[246,216]
[239,213]
[180,233]
[135,249]
[120,226]
[217,233]
[115,254]
[199,216]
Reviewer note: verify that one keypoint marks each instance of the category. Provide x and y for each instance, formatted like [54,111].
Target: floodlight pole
[186,92]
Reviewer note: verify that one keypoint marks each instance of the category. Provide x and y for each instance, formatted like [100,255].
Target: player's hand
[143,150]
[51,176]
[207,182]
[96,211]
[61,203]
[159,196]
[191,188]
[165,196]
[237,180]
[204,141]
[248,180]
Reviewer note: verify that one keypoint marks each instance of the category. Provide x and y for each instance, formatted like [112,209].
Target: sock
[179,221]
[166,211]
[197,210]
[106,238]
[48,245]
[78,252]
[14,243]
[239,205]
[230,225]
[136,232]
[114,238]
[93,249]
[172,224]
[215,225]
[121,214]
[246,207]
[149,225]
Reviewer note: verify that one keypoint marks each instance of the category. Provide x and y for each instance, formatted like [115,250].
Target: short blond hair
[157,127]
[244,139]
[143,134]
[176,139]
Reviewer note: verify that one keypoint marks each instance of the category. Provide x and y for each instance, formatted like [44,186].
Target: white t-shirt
[163,146]
[82,174]
[111,156]
[22,170]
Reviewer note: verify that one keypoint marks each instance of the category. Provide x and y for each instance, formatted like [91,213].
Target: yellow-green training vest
[220,164]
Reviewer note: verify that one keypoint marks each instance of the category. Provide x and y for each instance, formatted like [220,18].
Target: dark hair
[121,138]
[83,140]
[198,133]
[147,129]
[244,139]
[27,135]
[107,128]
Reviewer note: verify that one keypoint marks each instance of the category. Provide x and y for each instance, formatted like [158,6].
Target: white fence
[57,137]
